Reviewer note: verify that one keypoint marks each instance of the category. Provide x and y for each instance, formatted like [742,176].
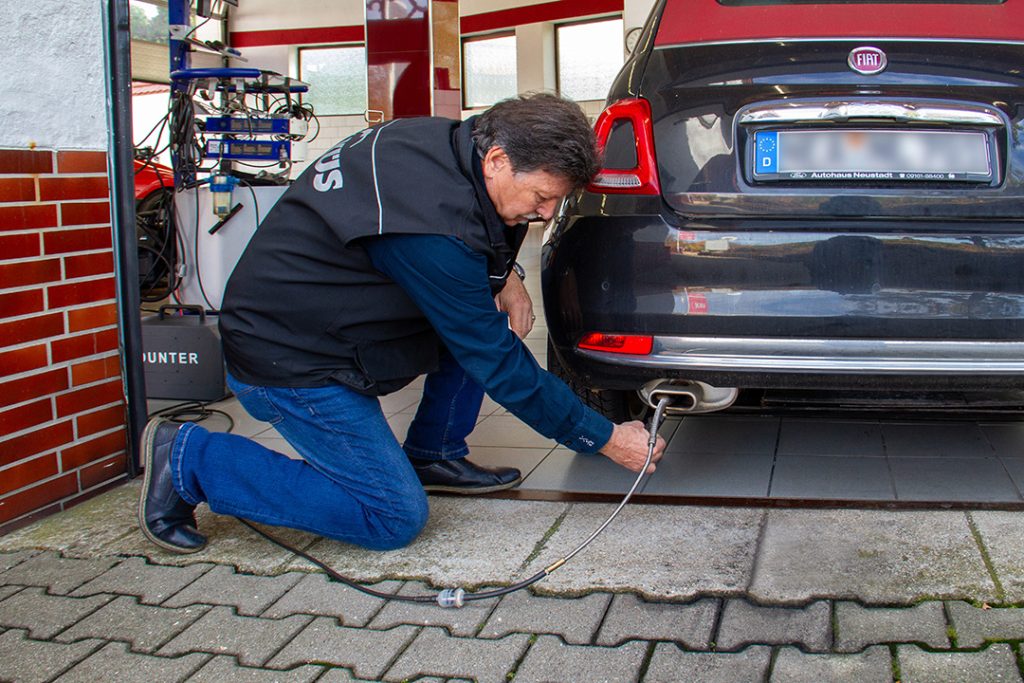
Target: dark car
[801,197]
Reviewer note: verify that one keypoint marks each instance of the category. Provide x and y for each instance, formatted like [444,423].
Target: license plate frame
[871,155]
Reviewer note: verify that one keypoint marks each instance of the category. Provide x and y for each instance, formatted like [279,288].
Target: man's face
[520,197]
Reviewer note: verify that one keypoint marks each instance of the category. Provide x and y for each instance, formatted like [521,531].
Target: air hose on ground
[457,597]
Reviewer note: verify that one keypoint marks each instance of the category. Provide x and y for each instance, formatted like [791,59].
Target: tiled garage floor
[743,458]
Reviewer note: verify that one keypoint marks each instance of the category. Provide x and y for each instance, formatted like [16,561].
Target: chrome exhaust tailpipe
[687,396]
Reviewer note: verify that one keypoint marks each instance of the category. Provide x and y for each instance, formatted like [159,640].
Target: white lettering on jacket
[328,167]
[170,357]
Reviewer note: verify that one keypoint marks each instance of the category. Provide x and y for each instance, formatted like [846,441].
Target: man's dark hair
[541,132]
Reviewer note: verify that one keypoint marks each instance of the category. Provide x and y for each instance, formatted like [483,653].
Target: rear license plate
[871,155]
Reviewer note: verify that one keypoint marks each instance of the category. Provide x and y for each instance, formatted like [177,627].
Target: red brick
[24,161]
[90,318]
[28,217]
[29,329]
[82,213]
[18,246]
[17,189]
[89,264]
[81,162]
[23,417]
[25,388]
[18,504]
[39,441]
[91,397]
[29,273]
[21,303]
[60,296]
[94,370]
[102,471]
[85,452]
[51,189]
[29,472]
[23,360]
[101,420]
[87,239]
[83,345]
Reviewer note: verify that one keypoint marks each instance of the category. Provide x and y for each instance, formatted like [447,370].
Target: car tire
[617,405]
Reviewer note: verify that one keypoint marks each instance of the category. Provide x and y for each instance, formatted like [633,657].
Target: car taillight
[636,344]
[643,177]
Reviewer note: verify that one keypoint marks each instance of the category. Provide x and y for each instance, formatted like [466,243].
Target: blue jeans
[354,483]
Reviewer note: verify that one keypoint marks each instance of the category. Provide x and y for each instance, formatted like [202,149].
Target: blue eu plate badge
[767,154]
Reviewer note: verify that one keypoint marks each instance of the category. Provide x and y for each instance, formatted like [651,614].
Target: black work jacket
[305,307]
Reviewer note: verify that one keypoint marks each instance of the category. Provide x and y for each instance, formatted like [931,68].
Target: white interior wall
[535,62]
[54,66]
[268,15]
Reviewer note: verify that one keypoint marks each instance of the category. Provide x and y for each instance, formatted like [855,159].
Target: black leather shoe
[462,476]
[164,516]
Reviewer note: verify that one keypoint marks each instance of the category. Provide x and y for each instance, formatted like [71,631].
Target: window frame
[558,46]
[480,37]
[332,46]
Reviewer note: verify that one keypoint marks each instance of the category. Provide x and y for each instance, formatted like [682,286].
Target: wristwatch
[518,270]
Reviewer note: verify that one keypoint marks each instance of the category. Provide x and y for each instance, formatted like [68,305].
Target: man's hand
[514,300]
[628,446]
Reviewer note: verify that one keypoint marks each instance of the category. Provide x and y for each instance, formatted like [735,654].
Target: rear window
[686,22]
[746,3]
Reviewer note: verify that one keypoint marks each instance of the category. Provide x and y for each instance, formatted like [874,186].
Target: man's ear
[495,160]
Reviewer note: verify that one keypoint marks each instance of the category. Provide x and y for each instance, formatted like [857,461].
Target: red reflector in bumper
[617,343]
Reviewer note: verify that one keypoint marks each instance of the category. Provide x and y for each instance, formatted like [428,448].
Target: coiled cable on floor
[457,597]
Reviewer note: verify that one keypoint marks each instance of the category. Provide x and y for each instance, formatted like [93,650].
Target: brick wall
[62,420]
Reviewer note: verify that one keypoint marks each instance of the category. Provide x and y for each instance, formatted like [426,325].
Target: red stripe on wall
[545,11]
[298,36]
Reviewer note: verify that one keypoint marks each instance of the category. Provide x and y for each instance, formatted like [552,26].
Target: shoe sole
[148,436]
[465,491]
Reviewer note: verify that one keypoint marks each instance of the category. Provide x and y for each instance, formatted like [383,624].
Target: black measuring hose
[457,597]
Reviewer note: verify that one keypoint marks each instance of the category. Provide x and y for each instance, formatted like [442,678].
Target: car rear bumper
[688,355]
[826,304]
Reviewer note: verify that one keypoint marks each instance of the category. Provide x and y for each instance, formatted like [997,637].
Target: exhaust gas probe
[457,597]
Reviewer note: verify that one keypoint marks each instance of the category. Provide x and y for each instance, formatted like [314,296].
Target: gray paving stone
[575,619]
[872,556]
[57,574]
[227,670]
[995,663]
[35,661]
[82,530]
[857,626]
[976,626]
[672,665]
[222,586]
[145,627]
[632,618]
[874,665]
[466,541]
[459,622]
[252,639]
[659,551]
[115,662]
[435,653]
[744,623]
[316,594]
[8,560]
[339,675]
[549,659]
[46,615]
[1003,537]
[231,543]
[367,653]
[151,583]
[6,591]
